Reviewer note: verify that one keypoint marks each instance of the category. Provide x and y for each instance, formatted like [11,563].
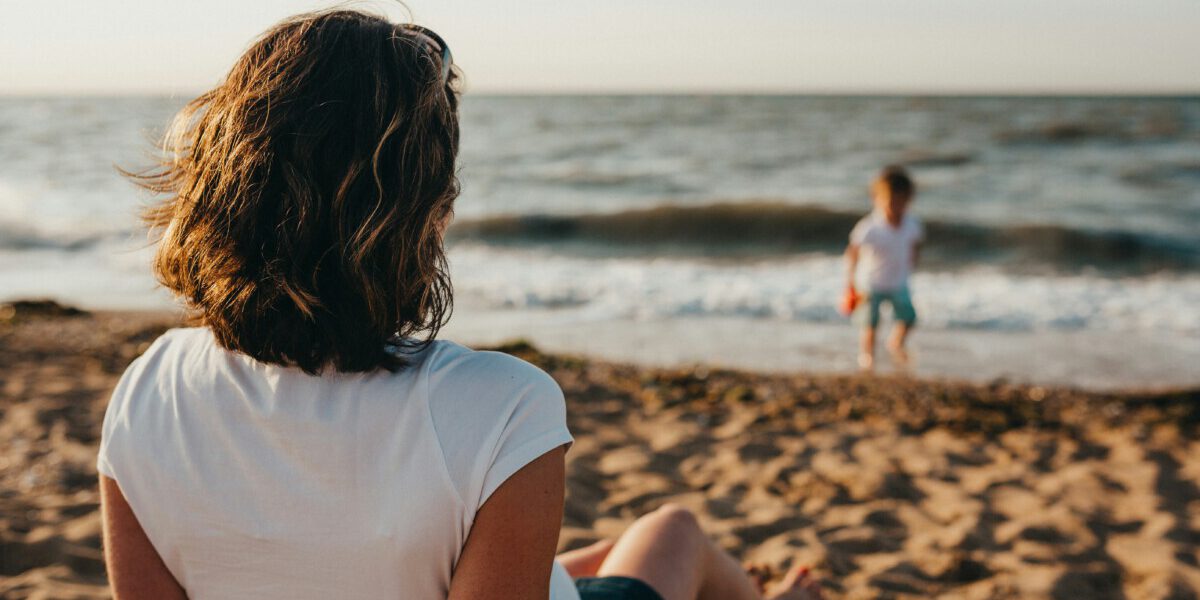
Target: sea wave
[772,230]
[1153,126]
[1180,173]
[16,236]
[805,289]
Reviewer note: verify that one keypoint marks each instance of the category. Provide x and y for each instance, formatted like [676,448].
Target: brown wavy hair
[307,194]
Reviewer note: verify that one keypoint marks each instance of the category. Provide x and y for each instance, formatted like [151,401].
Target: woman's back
[258,480]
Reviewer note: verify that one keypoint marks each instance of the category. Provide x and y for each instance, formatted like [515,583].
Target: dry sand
[890,488]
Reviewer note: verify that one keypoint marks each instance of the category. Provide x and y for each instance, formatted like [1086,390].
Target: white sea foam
[807,288]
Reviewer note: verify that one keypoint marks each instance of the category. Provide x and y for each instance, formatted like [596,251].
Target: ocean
[1062,232]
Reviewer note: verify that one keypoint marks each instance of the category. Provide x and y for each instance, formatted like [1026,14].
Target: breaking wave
[771,230]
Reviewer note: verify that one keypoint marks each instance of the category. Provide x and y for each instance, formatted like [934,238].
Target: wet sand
[1094,360]
[888,487]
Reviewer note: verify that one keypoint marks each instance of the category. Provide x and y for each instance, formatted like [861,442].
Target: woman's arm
[511,546]
[135,570]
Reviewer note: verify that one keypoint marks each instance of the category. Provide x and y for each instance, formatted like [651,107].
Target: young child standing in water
[888,242]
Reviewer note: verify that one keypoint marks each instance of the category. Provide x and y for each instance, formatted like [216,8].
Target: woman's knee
[674,520]
[664,549]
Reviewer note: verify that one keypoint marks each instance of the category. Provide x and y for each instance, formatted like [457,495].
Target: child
[888,240]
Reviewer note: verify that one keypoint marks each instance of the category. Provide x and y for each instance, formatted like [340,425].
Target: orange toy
[850,300]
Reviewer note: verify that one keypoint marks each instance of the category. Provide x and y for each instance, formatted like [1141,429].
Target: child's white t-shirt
[260,481]
[886,251]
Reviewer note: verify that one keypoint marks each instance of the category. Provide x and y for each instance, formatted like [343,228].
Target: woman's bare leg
[585,561]
[667,550]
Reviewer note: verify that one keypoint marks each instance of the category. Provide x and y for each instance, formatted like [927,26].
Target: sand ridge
[888,487]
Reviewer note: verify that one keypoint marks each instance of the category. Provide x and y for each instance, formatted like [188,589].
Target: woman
[302,442]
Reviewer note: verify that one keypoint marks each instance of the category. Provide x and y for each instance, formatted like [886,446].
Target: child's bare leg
[866,349]
[585,561]
[668,551]
[899,335]
[896,343]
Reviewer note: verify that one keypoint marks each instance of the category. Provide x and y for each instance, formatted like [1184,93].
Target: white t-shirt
[260,481]
[886,251]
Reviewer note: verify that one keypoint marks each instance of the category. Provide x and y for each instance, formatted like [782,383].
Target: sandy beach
[888,487]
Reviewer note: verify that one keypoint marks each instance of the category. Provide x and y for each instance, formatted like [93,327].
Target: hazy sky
[940,46]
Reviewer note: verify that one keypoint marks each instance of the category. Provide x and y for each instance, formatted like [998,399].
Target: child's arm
[916,254]
[850,296]
[852,264]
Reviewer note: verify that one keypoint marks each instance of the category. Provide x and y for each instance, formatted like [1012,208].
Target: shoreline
[157,318]
[896,487]
[1082,360]
[941,357]
[607,345]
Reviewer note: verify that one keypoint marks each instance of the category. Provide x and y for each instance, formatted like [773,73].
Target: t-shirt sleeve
[118,445]
[494,414]
[112,415]
[537,425]
[114,430]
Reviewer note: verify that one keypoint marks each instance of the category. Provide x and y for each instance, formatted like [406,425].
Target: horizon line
[631,92]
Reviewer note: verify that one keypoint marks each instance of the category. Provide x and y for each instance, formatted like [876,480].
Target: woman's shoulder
[492,413]
[143,395]
[456,372]
[490,391]
[157,364]
[180,338]
[454,359]
[169,345]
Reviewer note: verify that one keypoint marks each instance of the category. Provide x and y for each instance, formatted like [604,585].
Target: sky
[636,46]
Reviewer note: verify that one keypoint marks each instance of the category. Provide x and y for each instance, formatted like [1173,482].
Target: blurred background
[673,182]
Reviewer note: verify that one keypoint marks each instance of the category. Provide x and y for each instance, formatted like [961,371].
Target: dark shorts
[902,307]
[614,588]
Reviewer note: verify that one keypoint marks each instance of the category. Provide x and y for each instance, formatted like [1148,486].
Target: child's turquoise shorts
[867,314]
